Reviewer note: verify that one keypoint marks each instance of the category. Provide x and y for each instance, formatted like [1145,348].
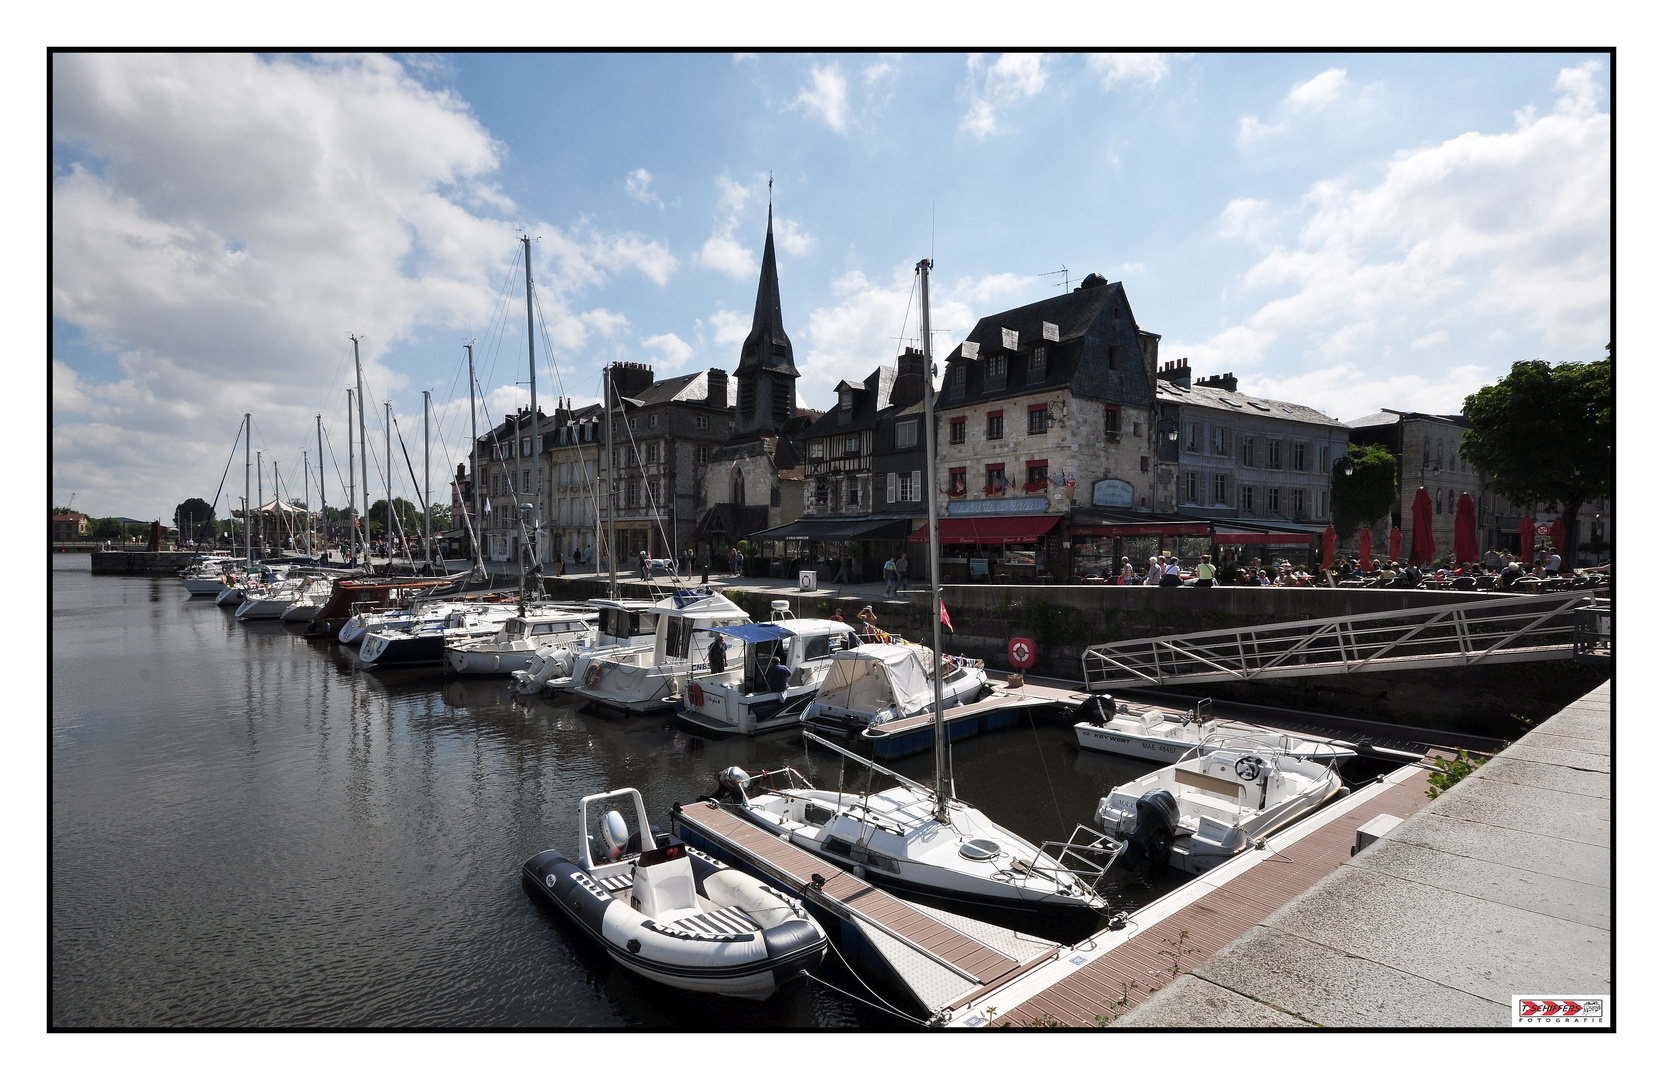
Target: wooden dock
[937,958]
[1102,978]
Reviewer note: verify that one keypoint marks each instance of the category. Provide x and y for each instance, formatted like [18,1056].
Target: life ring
[1248,768]
[593,677]
[695,694]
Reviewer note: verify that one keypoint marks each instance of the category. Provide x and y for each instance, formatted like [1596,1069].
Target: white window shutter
[917,492]
[890,492]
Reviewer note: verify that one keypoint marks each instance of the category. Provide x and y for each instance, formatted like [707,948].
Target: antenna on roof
[1054,273]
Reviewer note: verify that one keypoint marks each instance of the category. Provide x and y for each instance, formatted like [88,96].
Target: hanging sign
[1111,493]
[1023,652]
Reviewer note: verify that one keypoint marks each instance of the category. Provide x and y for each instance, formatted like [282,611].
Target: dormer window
[845,399]
[955,387]
[1036,365]
[995,373]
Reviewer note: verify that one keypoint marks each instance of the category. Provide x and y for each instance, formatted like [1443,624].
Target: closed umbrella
[1466,529]
[1366,541]
[1558,538]
[1394,545]
[1328,538]
[1421,547]
[1527,540]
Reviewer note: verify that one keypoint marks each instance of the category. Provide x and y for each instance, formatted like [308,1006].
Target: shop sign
[1111,493]
[1035,504]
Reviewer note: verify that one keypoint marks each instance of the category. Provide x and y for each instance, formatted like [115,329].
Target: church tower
[767,377]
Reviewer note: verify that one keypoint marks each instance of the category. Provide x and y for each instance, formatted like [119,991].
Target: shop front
[1241,546]
[1098,542]
[997,542]
[841,549]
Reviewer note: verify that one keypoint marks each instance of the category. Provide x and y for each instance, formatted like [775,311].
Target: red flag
[945,621]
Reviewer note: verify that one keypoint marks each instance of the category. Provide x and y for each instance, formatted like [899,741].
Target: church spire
[767,345]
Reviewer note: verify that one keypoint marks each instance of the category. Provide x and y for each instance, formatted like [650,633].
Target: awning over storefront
[1266,539]
[1167,528]
[990,530]
[808,528]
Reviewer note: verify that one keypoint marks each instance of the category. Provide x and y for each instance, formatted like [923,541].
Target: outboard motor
[730,784]
[1097,709]
[1156,828]
[613,842]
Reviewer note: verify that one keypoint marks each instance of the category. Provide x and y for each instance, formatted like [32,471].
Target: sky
[1350,231]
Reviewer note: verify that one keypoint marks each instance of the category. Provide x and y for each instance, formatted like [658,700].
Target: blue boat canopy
[756,632]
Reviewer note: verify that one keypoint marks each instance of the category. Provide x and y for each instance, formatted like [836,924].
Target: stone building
[1428,451]
[1043,408]
[1257,463]
[899,467]
[508,477]
[68,527]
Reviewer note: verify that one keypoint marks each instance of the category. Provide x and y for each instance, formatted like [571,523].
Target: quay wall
[139,562]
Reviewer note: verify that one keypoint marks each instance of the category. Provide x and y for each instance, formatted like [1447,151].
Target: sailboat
[921,841]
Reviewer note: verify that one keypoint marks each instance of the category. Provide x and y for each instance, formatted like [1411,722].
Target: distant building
[1428,451]
[68,527]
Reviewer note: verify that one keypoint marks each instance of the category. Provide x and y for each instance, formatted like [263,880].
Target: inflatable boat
[673,914]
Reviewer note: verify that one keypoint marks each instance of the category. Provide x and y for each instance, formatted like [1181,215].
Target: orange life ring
[695,694]
[593,677]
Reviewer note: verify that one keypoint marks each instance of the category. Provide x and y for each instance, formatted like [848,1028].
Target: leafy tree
[1368,493]
[1546,433]
[409,518]
[61,510]
[439,513]
[189,517]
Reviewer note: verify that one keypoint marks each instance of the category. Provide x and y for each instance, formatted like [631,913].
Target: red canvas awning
[990,530]
[1241,539]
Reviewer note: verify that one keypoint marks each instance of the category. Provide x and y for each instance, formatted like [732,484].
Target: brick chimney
[1176,372]
[909,378]
[1226,381]
[716,388]
[630,378]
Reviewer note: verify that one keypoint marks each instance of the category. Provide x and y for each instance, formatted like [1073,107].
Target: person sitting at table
[1387,578]
[1511,573]
[1412,576]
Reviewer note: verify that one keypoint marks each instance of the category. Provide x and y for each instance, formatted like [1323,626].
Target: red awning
[990,530]
[1241,539]
[1168,529]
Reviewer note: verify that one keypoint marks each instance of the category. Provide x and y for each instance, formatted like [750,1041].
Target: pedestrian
[560,564]
[1155,568]
[902,573]
[889,578]
[1169,576]
[588,554]
[1128,576]
[645,576]
[718,655]
[1204,573]
[738,563]
[868,623]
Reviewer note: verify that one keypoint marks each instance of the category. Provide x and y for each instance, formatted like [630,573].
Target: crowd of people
[1496,571]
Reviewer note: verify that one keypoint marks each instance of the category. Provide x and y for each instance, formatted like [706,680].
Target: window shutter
[917,492]
[889,489]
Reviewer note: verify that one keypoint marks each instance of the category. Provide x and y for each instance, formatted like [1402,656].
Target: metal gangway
[1512,629]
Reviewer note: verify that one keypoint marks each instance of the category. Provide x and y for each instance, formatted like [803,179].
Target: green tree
[1367,492]
[409,518]
[1546,433]
[189,517]
[440,515]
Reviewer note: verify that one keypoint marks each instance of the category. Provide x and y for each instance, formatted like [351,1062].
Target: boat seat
[614,882]
[666,892]
[719,923]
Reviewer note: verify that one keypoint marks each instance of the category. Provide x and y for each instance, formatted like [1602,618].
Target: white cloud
[672,351]
[1427,341]
[1512,226]
[995,89]
[1252,130]
[638,186]
[730,327]
[791,237]
[880,71]
[725,254]
[1246,219]
[221,221]
[1117,69]
[1317,91]
[827,97]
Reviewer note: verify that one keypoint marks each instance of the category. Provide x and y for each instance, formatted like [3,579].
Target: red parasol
[1366,540]
[1422,549]
[1394,546]
[1558,538]
[1466,530]
[1527,540]
[1328,538]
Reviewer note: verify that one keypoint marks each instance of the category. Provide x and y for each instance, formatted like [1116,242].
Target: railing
[1592,641]
[1509,630]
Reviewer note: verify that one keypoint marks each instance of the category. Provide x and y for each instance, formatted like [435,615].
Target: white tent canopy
[276,506]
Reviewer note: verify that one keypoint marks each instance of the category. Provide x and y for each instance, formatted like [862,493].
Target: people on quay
[1511,573]
[1169,575]
[1155,571]
[642,559]
[1128,576]
[588,554]
[738,562]
[903,575]
[889,578]
[1204,573]
[560,564]
[1553,562]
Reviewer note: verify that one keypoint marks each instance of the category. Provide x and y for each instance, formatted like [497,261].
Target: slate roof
[692,388]
[1216,397]
[1088,321]
[870,398]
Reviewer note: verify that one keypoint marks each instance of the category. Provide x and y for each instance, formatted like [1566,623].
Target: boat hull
[1168,751]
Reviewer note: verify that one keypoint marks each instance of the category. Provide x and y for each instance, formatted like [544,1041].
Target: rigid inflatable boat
[673,914]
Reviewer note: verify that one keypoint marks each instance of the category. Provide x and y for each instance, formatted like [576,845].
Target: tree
[439,513]
[1546,434]
[190,516]
[409,518]
[1367,493]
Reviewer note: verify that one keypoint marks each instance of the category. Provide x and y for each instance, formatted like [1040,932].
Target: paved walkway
[1500,886]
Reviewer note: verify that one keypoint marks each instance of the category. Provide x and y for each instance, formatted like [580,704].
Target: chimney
[1176,372]
[909,378]
[629,379]
[1226,381]
[716,388]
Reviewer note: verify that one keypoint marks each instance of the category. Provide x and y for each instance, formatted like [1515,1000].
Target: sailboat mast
[611,531]
[363,449]
[260,495]
[387,424]
[323,502]
[427,483]
[473,460]
[942,780]
[306,495]
[536,450]
[351,479]
[248,445]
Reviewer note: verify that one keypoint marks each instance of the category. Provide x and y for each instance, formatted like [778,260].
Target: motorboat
[423,643]
[644,681]
[513,647]
[623,627]
[769,673]
[355,594]
[314,592]
[672,913]
[925,845]
[1205,809]
[1157,735]
[877,683]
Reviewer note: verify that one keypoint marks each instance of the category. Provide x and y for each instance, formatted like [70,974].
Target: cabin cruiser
[877,683]
[353,595]
[1154,735]
[624,626]
[926,845]
[424,642]
[672,913]
[1208,808]
[644,681]
[768,674]
[513,647]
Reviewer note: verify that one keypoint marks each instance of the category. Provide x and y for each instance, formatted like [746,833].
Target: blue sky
[1349,230]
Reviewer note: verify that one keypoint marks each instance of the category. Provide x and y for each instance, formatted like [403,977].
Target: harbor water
[248,831]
